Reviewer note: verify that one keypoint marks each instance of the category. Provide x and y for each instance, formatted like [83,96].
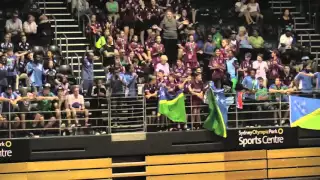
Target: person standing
[169,25]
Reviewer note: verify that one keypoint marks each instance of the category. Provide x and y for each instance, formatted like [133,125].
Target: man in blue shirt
[10,99]
[130,79]
[303,80]
[87,72]
[251,84]
[35,71]
[232,66]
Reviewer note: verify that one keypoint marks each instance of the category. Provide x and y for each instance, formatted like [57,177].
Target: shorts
[47,115]
[130,24]
[196,102]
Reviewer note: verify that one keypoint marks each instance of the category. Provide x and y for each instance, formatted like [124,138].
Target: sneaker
[63,125]
[103,132]
[97,133]
[64,133]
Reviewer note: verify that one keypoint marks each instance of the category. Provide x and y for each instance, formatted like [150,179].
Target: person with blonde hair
[243,38]
[163,65]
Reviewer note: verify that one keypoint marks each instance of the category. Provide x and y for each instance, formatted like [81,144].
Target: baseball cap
[47,85]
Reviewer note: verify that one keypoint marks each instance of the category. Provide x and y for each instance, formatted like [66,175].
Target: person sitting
[75,103]
[242,38]
[286,20]
[256,41]
[286,40]
[254,10]
[242,9]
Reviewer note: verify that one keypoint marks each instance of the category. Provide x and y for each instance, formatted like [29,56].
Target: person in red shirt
[122,43]
[196,88]
[218,67]
[156,51]
[191,49]
[137,48]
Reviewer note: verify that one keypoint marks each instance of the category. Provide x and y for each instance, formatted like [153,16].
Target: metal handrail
[79,71]
[55,29]
[67,47]
[84,25]
[309,35]
[44,6]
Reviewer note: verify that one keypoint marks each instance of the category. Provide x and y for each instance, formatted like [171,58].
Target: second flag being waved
[217,118]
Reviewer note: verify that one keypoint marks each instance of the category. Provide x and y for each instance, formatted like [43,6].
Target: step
[304,29]
[318,40]
[94,70]
[64,26]
[53,8]
[99,77]
[284,7]
[304,23]
[55,2]
[69,32]
[71,38]
[278,2]
[299,17]
[128,164]
[63,20]
[130,174]
[80,44]
[58,14]
[308,34]
[74,51]
[278,13]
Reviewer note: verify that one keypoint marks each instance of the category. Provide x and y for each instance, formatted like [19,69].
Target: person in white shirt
[254,10]
[242,9]
[261,67]
[286,40]
[163,65]
[75,102]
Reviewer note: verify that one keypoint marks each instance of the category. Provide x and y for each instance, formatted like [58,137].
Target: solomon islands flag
[172,105]
[217,118]
[305,112]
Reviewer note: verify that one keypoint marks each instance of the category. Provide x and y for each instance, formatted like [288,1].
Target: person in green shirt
[216,37]
[255,40]
[113,10]
[45,100]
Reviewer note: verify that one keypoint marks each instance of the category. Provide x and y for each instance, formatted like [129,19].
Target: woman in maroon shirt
[196,89]
[218,67]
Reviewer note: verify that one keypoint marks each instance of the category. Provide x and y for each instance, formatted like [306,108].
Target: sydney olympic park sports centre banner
[24,150]
[262,138]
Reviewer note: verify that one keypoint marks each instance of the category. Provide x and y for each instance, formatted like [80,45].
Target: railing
[55,29]
[84,23]
[121,113]
[67,45]
[79,71]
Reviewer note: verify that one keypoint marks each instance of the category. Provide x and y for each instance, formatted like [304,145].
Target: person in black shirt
[23,46]
[3,74]
[109,52]
[22,73]
[50,75]
[99,94]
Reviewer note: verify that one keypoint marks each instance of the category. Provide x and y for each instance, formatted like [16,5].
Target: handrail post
[109,114]
[79,74]
[72,64]
[237,118]
[44,6]
[78,7]
[67,46]
[55,29]
[144,114]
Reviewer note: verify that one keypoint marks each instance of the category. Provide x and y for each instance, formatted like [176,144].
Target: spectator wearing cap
[286,40]
[35,71]
[163,65]
[3,75]
[14,27]
[45,107]
[10,99]
[7,44]
[30,29]
[76,104]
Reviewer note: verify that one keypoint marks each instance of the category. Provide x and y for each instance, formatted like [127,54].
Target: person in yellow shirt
[255,40]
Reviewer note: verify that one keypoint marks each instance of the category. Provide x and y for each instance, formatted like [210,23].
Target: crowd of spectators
[151,43]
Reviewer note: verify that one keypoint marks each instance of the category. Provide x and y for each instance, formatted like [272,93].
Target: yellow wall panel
[297,152]
[205,157]
[294,162]
[69,164]
[13,167]
[206,167]
[68,175]
[255,174]
[17,176]
[294,172]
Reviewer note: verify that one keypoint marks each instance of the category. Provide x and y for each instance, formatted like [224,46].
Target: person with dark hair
[250,84]
[130,77]
[3,74]
[261,67]
[9,102]
[286,19]
[4,46]
[245,66]
[232,66]
[35,71]
[303,80]
[196,88]
[44,32]
[274,71]
[191,49]
[87,72]
[218,68]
